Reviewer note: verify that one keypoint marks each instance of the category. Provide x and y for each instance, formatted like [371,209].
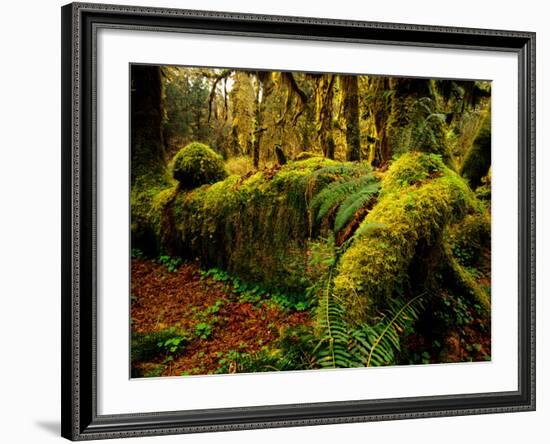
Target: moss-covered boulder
[197,164]
[420,196]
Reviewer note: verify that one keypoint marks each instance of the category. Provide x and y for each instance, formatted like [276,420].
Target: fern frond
[353,203]
[335,193]
[342,345]
[398,317]
[332,349]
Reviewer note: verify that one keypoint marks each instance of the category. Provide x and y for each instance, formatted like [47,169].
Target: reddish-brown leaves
[161,299]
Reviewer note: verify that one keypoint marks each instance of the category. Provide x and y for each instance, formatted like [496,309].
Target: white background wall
[30,220]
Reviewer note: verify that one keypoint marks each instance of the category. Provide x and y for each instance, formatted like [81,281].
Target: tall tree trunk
[407,118]
[257,128]
[350,90]
[330,147]
[146,129]
[265,88]
[324,95]
[477,161]
[415,123]
[379,107]
[236,149]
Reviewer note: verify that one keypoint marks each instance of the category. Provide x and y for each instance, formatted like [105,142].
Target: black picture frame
[80,420]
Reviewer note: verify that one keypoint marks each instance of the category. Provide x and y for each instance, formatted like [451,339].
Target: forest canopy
[353,210]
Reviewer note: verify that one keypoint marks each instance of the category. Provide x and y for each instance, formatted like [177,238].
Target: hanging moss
[477,161]
[196,164]
[419,197]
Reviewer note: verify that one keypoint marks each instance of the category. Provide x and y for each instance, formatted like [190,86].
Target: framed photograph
[278,221]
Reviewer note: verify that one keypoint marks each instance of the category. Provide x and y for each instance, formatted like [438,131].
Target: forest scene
[306,221]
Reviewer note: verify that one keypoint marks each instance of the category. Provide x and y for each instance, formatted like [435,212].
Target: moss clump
[412,169]
[196,164]
[477,161]
[419,197]
[306,155]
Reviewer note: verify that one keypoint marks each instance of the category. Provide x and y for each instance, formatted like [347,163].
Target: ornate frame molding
[80,22]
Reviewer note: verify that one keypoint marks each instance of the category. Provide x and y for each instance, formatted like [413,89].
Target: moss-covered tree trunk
[264,89]
[148,169]
[404,116]
[236,149]
[146,113]
[407,119]
[350,88]
[379,107]
[477,161]
[324,96]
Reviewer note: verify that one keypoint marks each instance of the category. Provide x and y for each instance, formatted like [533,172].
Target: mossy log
[259,226]
[304,155]
[256,226]
[419,198]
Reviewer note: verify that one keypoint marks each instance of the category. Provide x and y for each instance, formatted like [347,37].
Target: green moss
[412,169]
[311,164]
[304,155]
[462,280]
[196,164]
[414,123]
[257,227]
[148,194]
[419,197]
[471,237]
[477,161]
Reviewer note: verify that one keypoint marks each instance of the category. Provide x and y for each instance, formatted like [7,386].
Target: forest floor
[186,321]
[207,319]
